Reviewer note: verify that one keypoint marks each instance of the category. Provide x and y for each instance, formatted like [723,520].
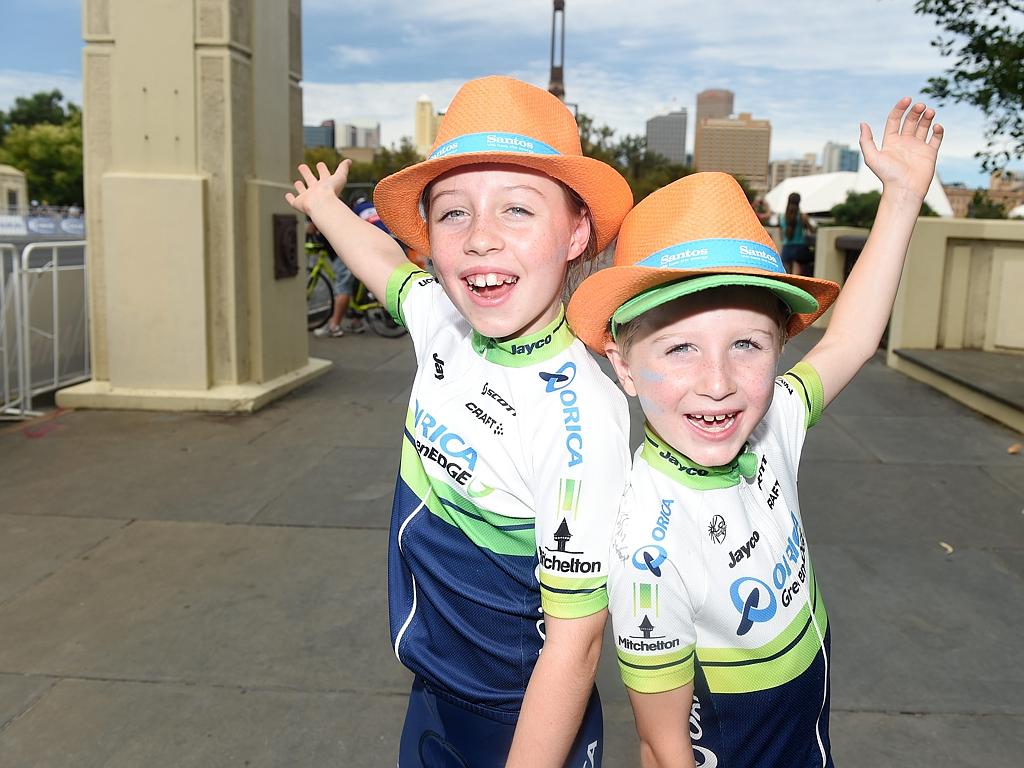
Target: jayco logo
[559,382]
[438,367]
[530,348]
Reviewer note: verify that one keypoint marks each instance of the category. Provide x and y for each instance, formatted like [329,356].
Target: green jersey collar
[527,350]
[663,457]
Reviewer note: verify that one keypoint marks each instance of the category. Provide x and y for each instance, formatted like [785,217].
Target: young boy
[515,453]
[720,630]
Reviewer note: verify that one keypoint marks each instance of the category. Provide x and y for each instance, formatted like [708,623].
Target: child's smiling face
[501,237]
[703,367]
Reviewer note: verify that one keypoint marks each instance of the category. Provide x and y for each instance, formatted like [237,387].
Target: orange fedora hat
[696,233]
[503,120]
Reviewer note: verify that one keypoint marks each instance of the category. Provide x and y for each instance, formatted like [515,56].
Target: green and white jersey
[514,461]
[711,582]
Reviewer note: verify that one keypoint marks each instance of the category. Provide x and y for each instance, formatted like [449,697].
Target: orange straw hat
[503,120]
[696,233]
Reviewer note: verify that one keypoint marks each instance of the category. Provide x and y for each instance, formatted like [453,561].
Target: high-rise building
[839,157]
[318,135]
[427,123]
[712,104]
[666,136]
[780,170]
[362,135]
[736,145]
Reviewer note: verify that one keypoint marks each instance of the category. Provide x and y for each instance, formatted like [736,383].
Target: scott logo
[438,367]
[559,382]
[650,558]
[749,605]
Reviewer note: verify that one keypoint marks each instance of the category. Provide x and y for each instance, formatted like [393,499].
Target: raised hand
[906,161]
[317,189]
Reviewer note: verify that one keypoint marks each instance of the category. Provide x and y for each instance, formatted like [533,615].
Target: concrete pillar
[192,130]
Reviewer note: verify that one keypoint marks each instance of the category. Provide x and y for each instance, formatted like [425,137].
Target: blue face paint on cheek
[649,406]
[651,376]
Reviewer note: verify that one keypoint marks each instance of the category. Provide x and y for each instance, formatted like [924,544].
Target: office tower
[712,104]
[318,135]
[839,157]
[427,123]
[666,136]
[738,146]
[780,170]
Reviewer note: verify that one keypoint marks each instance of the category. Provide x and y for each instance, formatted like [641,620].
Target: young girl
[515,450]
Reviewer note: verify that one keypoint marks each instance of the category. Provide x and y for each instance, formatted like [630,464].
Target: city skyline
[849,62]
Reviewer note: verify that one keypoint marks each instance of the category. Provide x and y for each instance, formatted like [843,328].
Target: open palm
[906,159]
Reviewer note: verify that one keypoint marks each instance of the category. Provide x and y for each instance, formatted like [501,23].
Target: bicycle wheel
[383,324]
[319,300]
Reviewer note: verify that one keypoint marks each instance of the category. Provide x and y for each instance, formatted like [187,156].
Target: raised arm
[906,165]
[367,250]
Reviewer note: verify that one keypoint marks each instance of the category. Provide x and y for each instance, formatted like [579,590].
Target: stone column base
[238,398]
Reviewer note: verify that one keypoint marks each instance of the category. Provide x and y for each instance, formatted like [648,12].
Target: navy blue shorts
[440,733]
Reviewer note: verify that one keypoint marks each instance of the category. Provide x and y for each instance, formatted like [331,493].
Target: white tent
[819,192]
[1016,213]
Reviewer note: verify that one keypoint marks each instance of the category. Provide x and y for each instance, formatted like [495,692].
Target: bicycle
[319,287]
[362,304]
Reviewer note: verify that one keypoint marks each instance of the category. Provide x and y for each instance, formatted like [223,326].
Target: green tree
[860,208]
[42,107]
[987,71]
[984,207]
[51,158]
[329,155]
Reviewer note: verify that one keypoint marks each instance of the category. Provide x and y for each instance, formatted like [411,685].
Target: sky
[814,69]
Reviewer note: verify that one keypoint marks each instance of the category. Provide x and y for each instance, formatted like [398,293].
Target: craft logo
[449,451]
[559,382]
[426,281]
[438,367]
[551,560]
[486,419]
[716,529]
[781,382]
[650,558]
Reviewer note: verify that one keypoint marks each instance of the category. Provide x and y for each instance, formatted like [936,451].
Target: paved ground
[193,590]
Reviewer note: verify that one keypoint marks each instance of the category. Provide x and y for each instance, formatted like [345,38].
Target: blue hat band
[715,253]
[493,142]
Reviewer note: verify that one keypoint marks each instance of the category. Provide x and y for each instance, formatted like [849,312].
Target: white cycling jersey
[711,582]
[514,461]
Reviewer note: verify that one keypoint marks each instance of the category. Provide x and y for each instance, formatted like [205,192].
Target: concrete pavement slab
[871,739]
[915,630]
[127,725]
[1010,476]
[18,694]
[349,487]
[227,605]
[963,439]
[892,505]
[829,441]
[32,548]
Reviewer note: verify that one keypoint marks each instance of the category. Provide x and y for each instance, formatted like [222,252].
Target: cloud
[16,83]
[349,55]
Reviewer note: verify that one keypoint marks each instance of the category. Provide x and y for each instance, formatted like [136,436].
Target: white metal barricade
[45,333]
